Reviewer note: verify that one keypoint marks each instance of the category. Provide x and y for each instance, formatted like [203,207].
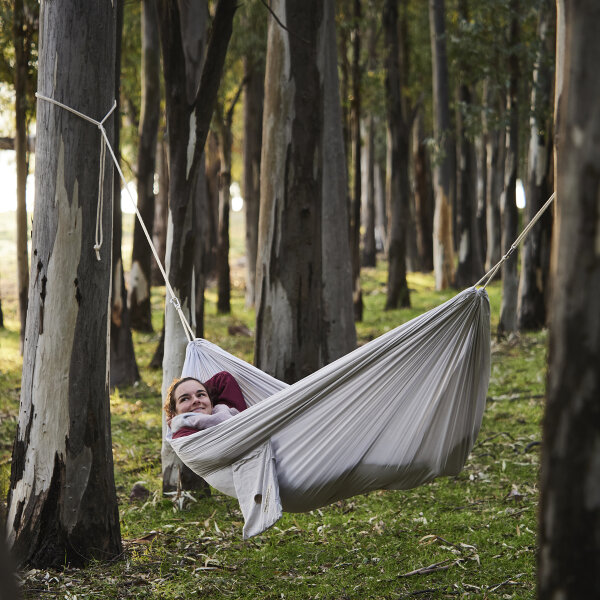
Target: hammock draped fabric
[393,414]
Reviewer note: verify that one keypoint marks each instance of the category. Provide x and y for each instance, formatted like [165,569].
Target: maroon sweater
[222,389]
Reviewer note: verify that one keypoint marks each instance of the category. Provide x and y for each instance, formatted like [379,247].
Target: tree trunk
[123,367]
[22,57]
[470,265]
[381,216]
[443,243]
[569,529]
[397,184]
[355,199]
[223,271]
[161,209]
[213,168]
[304,315]
[62,506]
[533,284]
[254,94]
[510,277]
[423,196]
[369,255]
[496,161]
[191,85]
[338,315]
[140,276]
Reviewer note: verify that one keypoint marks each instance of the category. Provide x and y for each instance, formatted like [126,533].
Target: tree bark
[223,272]
[254,94]
[445,160]
[569,528]
[423,196]
[21,31]
[304,315]
[62,506]
[510,277]
[470,265]
[369,254]
[535,265]
[191,84]
[161,209]
[140,276]
[397,184]
[355,198]
[123,367]
[496,160]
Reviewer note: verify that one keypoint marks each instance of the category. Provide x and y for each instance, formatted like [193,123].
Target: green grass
[478,528]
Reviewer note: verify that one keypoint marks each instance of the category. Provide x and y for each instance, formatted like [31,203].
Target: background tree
[62,505]
[191,83]
[123,366]
[569,532]
[254,19]
[535,255]
[355,156]
[140,276]
[304,312]
[470,257]
[397,185]
[510,277]
[25,21]
[444,160]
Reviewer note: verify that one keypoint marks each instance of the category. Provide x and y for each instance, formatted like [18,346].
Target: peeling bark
[62,505]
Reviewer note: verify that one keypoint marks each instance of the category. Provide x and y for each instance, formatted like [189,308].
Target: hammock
[393,414]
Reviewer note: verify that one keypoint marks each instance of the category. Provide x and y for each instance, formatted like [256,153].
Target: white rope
[490,274]
[104,144]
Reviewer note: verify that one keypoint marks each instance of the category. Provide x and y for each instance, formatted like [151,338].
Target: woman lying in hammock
[191,405]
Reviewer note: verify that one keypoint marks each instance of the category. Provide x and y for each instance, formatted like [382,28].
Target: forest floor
[469,536]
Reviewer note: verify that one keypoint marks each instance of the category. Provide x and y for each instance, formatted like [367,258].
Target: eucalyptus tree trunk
[62,505]
[496,160]
[254,94]
[569,527]
[304,315]
[123,367]
[423,195]
[470,264]
[355,199]
[397,181]
[369,254]
[191,85]
[510,277]
[22,45]
[140,276]
[535,264]
[223,125]
[445,159]
[161,209]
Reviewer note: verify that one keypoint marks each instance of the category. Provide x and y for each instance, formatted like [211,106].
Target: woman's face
[191,396]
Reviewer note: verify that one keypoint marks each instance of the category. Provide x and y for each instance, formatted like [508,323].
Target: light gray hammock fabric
[393,414]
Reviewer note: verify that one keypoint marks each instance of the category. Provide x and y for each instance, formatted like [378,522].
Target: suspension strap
[490,274]
[105,143]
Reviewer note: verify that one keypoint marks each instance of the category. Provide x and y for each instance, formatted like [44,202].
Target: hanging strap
[490,274]
[105,143]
